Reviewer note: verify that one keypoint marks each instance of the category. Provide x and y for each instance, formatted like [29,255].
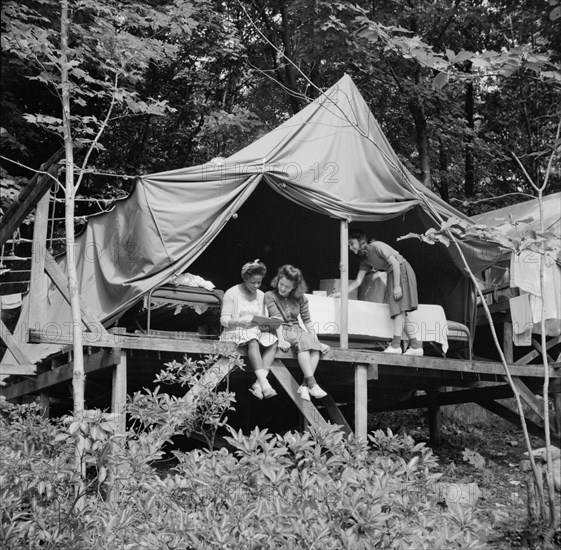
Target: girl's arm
[227,310]
[352,286]
[305,315]
[307,320]
[274,312]
[229,317]
[396,272]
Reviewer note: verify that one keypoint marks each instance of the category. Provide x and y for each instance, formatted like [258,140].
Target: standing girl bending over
[401,290]
[240,304]
[287,301]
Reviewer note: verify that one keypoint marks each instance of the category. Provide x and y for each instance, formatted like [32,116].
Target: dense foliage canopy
[459,86]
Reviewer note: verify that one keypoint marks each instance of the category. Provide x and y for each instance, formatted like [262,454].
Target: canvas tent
[329,162]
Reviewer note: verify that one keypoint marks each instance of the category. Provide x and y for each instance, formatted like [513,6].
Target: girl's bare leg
[269,356]
[413,341]
[254,355]
[305,362]
[398,322]
[314,360]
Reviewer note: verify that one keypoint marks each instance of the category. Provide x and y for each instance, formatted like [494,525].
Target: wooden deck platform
[358,381]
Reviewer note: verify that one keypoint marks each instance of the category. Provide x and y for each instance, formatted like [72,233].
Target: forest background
[459,87]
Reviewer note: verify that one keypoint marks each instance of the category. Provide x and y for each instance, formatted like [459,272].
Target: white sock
[261,375]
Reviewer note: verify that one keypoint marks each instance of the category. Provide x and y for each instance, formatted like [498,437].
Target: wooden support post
[119,393]
[332,408]
[361,400]
[344,275]
[118,401]
[38,281]
[433,410]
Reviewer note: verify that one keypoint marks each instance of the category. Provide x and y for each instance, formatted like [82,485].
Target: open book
[269,321]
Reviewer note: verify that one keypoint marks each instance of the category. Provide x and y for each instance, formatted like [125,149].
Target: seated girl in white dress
[241,302]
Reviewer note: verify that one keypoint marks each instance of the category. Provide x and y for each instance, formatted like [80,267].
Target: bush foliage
[318,489]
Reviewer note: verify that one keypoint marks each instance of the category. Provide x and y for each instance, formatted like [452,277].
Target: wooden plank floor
[357,380]
[189,345]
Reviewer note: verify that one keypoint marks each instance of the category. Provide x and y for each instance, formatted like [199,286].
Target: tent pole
[344,270]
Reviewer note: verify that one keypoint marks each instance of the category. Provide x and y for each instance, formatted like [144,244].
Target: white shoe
[269,392]
[414,351]
[304,393]
[256,390]
[316,392]
[391,349]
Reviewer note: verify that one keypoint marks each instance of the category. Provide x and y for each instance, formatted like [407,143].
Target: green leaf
[464,56]
[74,427]
[440,80]
[102,474]
[409,236]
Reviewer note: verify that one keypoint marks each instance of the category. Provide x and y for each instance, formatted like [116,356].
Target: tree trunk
[288,68]
[421,133]
[443,157]
[78,373]
[313,75]
[469,186]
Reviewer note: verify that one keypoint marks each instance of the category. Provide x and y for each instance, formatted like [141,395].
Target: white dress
[236,303]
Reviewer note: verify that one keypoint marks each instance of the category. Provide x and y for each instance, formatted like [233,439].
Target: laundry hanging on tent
[525,271]
[522,324]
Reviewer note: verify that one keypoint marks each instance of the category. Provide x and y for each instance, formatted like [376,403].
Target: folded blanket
[188,279]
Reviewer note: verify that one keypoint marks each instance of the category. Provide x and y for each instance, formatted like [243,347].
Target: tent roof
[332,157]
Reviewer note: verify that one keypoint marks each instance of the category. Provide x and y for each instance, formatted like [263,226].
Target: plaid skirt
[410,299]
[300,339]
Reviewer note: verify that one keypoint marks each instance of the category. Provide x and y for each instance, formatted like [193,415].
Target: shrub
[318,489]
[37,477]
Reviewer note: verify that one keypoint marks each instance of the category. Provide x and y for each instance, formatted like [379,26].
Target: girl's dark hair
[256,267]
[359,236]
[292,274]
